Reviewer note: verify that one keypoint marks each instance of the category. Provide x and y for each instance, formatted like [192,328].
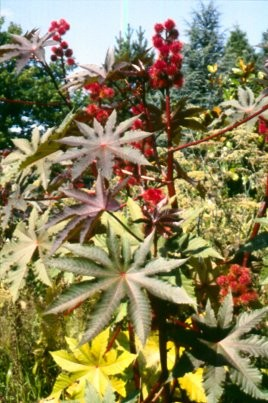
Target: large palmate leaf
[103,144]
[234,348]
[25,149]
[92,72]
[93,364]
[17,255]
[117,275]
[244,106]
[26,47]
[48,144]
[191,382]
[82,216]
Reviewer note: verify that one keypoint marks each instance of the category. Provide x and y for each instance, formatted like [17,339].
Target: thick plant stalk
[170,158]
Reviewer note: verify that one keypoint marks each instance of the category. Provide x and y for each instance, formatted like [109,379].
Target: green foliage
[237,47]
[204,48]
[18,255]
[117,275]
[101,368]
[160,219]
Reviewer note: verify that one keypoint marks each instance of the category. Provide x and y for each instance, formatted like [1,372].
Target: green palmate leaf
[48,144]
[213,381]
[230,347]
[103,144]
[225,314]
[199,247]
[248,378]
[91,364]
[92,396]
[245,105]
[260,241]
[25,150]
[17,256]
[120,276]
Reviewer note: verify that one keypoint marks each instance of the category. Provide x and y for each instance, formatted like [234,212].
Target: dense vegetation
[134,240]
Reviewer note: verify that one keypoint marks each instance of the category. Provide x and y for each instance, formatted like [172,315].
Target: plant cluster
[112,221]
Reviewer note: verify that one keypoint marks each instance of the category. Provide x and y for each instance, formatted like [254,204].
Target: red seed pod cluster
[62,50]
[166,71]
[146,145]
[153,196]
[239,280]
[95,111]
[99,91]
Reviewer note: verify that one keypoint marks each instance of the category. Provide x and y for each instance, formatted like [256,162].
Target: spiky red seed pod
[59,52]
[53,25]
[62,30]
[70,61]
[174,34]
[169,24]
[53,58]
[158,41]
[176,47]
[92,109]
[56,37]
[68,53]
[64,45]
[159,28]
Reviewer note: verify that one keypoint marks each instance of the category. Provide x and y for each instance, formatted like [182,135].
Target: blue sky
[96,23]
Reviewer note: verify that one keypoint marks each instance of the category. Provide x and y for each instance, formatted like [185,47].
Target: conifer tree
[205,47]
[237,47]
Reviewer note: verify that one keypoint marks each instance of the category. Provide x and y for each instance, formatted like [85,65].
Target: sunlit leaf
[124,278]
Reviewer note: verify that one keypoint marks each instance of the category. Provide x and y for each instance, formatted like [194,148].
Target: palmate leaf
[25,149]
[90,363]
[213,382]
[192,383]
[245,105]
[91,72]
[103,144]
[82,216]
[119,278]
[48,144]
[230,346]
[25,47]
[17,255]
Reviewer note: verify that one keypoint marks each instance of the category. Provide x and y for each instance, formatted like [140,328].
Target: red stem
[170,183]
[113,338]
[219,132]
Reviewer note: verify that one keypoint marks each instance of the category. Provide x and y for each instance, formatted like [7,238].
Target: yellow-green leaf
[192,384]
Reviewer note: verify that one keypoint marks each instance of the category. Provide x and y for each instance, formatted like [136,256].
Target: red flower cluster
[98,92]
[166,71]
[240,282]
[146,145]
[153,196]
[60,28]
[263,128]
[95,111]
